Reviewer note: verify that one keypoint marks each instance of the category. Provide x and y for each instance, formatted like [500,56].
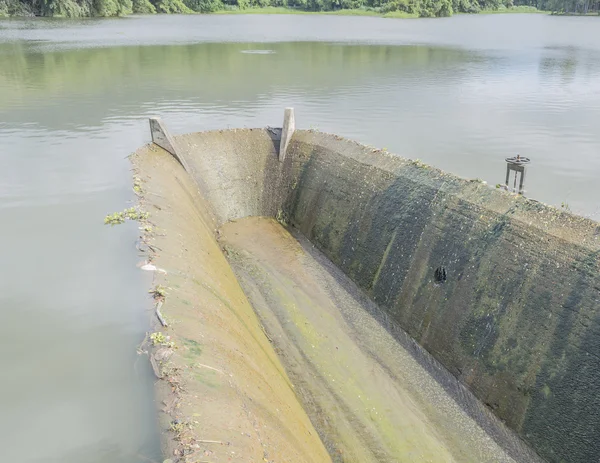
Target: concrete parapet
[289,126]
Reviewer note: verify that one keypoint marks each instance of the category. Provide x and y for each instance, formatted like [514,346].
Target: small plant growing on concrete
[419,163]
[159,292]
[137,185]
[133,213]
[114,219]
[159,339]
[178,426]
[282,218]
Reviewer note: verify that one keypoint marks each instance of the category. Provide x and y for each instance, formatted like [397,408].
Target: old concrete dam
[320,300]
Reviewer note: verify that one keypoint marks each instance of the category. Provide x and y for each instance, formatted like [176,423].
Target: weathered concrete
[374,396]
[239,172]
[162,137]
[223,393]
[501,290]
[288,128]
[515,314]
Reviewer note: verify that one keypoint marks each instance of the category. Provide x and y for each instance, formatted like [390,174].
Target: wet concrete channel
[367,394]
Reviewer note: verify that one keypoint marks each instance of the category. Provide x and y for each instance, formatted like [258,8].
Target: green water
[460,93]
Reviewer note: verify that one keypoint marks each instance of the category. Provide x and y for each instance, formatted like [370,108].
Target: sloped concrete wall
[503,291]
[239,171]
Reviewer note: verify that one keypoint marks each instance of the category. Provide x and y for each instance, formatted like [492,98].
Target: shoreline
[292,11]
[269,10]
[371,13]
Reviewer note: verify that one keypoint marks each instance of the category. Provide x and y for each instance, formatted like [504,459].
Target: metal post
[518,165]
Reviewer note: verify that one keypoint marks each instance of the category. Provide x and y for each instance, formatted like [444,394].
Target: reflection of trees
[567,62]
[210,71]
[564,65]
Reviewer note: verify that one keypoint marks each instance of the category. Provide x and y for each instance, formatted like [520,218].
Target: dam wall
[239,172]
[222,392]
[503,291]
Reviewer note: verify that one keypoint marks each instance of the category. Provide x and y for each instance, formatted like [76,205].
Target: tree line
[421,8]
[576,7]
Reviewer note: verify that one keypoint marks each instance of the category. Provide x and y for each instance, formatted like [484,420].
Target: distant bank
[379,8]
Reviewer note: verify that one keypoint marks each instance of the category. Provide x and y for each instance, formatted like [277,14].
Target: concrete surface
[502,291]
[287,131]
[516,316]
[163,138]
[372,396]
[223,394]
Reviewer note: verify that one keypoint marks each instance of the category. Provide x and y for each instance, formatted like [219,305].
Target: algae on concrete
[517,317]
[501,290]
[222,391]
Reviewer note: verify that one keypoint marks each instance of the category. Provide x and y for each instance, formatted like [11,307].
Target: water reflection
[462,110]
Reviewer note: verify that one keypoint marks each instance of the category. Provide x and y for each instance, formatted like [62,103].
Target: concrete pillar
[289,126]
[162,138]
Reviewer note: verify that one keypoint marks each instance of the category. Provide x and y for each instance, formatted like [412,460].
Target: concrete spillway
[345,304]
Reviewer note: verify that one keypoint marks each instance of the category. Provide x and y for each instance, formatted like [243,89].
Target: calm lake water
[459,93]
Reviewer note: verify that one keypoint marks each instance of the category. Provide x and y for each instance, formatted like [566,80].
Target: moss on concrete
[222,391]
[517,316]
[500,289]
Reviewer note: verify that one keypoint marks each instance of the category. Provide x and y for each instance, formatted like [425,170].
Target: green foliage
[14,8]
[64,8]
[133,213]
[171,6]
[204,6]
[435,8]
[397,5]
[466,6]
[143,7]
[137,182]
[387,8]
[112,7]
[159,339]
[159,292]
